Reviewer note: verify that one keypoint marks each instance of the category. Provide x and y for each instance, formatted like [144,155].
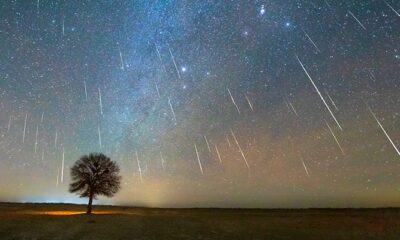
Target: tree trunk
[89,206]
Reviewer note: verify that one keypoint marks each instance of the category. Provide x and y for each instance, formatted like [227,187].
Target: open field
[62,221]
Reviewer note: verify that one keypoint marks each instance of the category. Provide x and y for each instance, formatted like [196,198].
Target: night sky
[205,103]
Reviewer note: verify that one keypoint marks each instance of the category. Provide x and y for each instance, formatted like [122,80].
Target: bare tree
[93,175]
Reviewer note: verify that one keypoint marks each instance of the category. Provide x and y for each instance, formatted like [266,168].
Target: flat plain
[67,221]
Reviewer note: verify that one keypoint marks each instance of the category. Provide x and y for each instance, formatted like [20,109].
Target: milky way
[203,103]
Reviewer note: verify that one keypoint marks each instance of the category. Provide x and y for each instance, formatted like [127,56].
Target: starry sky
[232,103]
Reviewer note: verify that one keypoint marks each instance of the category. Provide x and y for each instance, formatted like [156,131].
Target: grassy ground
[60,221]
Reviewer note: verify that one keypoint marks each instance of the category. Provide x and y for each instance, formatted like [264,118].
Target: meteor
[326,2]
[305,167]
[9,124]
[139,169]
[333,103]
[58,177]
[240,149]
[41,119]
[36,138]
[100,102]
[162,160]
[219,155]
[158,91]
[383,129]
[333,135]
[227,140]
[358,21]
[248,101]
[99,133]
[121,59]
[159,57]
[172,109]
[158,53]
[233,100]
[62,165]
[55,139]
[85,87]
[291,107]
[397,13]
[63,26]
[208,145]
[312,42]
[23,136]
[173,60]
[319,93]
[198,158]
[372,75]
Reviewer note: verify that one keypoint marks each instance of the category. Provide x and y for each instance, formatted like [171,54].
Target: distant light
[183,69]
[287,24]
[262,10]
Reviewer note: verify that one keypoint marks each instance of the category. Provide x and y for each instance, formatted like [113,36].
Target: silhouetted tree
[95,174]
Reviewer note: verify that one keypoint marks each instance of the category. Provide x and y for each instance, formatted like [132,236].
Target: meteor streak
[55,139]
[162,160]
[172,109]
[334,136]
[397,13]
[62,165]
[383,129]
[319,93]
[208,145]
[240,149]
[99,133]
[85,87]
[173,60]
[41,119]
[372,75]
[358,21]
[291,107]
[23,136]
[9,124]
[36,138]
[158,91]
[63,26]
[58,177]
[219,155]
[312,42]
[248,101]
[227,140]
[305,167]
[233,100]
[121,59]
[158,53]
[198,158]
[333,103]
[139,168]
[100,102]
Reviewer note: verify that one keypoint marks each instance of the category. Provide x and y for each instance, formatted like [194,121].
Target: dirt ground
[63,221]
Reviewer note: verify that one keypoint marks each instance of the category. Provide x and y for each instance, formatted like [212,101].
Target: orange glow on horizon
[68,213]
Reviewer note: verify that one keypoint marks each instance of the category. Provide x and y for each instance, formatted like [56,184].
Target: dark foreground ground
[60,221]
